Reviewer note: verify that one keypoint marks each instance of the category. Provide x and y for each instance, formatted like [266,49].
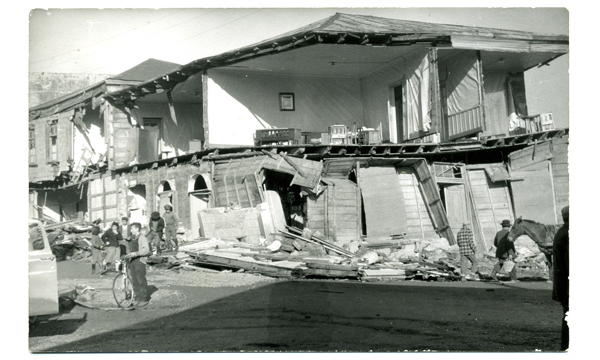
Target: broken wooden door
[456,206]
[383,200]
[492,202]
[103,199]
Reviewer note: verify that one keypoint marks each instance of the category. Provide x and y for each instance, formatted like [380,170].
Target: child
[111,239]
[97,247]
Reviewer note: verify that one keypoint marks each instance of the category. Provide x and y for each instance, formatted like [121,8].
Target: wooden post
[417,193]
[237,193]
[225,183]
[358,201]
[326,211]
[205,108]
[211,198]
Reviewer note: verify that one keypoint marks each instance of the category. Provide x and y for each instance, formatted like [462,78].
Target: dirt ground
[231,312]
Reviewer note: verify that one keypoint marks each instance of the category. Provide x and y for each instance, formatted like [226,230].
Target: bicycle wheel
[122,291]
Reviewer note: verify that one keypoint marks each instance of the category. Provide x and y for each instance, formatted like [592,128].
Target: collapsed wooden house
[405,128]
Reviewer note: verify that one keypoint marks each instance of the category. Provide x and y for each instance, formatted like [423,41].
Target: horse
[542,235]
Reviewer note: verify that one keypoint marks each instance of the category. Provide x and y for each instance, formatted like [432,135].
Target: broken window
[52,140]
[32,159]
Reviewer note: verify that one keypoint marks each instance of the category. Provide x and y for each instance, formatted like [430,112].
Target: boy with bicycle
[139,249]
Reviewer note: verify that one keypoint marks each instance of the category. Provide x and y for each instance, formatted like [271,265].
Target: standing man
[464,238]
[505,250]
[171,223]
[560,288]
[137,268]
[156,225]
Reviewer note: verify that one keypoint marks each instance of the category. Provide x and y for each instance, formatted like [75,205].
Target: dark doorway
[149,143]
[398,104]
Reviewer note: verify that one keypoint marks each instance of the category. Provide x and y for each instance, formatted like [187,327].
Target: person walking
[505,251]
[560,286]
[140,249]
[111,239]
[171,223]
[156,225]
[464,238]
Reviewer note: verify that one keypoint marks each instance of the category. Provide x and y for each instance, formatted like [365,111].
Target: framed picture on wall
[286,102]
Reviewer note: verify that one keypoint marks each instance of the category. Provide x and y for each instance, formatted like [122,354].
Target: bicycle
[122,287]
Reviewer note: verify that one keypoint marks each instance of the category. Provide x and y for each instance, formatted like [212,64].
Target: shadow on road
[329,316]
[55,326]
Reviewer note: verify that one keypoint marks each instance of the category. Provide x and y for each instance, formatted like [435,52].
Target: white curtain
[417,98]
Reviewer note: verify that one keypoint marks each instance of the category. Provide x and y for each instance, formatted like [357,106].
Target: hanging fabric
[171,106]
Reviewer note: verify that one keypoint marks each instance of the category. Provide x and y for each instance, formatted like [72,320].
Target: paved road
[314,315]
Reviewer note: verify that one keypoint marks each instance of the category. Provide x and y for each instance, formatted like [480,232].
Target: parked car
[43,281]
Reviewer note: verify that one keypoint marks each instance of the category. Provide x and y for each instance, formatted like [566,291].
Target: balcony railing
[533,124]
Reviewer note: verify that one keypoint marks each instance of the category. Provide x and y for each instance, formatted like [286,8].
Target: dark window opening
[53,140]
[200,184]
[398,104]
[32,154]
[166,186]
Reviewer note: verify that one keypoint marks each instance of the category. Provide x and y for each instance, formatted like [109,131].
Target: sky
[110,41]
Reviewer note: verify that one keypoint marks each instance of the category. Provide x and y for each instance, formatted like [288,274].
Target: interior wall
[240,103]
[62,205]
[375,90]
[42,169]
[92,137]
[176,135]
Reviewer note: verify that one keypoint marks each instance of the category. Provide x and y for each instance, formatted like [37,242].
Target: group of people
[506,253]
[164,227]
[133,243]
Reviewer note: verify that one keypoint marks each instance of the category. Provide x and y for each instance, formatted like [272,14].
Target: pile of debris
[71,240]
[295,253]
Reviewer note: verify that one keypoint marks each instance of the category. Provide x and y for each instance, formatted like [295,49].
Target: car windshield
[36,241]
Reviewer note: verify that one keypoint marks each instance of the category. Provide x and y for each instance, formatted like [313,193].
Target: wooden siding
[560,174]
[492,203]
[125,139]
[533,193]
[541,186]
[103,199]
[42,170]
[235,182]
[337,207]
[418,222]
